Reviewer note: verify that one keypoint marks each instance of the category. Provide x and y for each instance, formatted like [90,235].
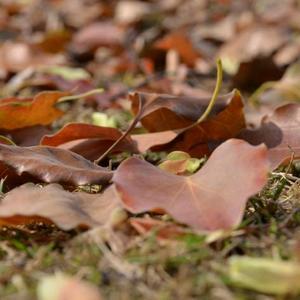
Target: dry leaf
[53,165]
[18,113]
[207,200]
[280,133]
[227,123]
[181,44]
[90,141]
[30,203]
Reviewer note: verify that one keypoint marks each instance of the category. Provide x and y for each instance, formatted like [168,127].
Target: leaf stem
[75,97]
[215,94]
[124,135]
[6,140]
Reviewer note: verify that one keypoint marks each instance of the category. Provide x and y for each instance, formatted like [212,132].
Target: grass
[125,265]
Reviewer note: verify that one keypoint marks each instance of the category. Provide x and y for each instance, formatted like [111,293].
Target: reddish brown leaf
[280,133]
[90,141]
[227,123]
[160,112]
[53,165]
[30,203]
[27,136]
[181,43]
[18,113]
[207,200]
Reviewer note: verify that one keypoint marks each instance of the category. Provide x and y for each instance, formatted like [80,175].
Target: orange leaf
[18,113]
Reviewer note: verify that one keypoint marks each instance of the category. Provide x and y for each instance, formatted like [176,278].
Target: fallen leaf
[27,136]
[259,40]
[265,275]
[24,112]
[287,87]
[227,123]
[207,200]
[181,44]
[280,133]
[98,34]
[53,165]
[30,203]
[160,112]
[90,141]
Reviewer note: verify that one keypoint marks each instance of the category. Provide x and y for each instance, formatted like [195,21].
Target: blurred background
[164,46]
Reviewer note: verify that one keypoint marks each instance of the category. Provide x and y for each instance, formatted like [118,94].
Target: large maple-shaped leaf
[29,203]
[280,132]
[88,140]
[53,165]
[210,199]
[18,113]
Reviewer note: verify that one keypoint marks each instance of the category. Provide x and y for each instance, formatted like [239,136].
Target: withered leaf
[53,165]
[29,203]
[280,133]
[207,200]
[88,140]
[180,42]
[18,113]
[227,123]
[161,112]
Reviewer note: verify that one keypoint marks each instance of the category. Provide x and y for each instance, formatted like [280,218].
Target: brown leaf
[207,200]
[29,203]
[255,41]
[280,133]
[27,136]
[53,165]
[160,112]
[18,113]
[182,44]
[90,141]
[97,34]
[227,123]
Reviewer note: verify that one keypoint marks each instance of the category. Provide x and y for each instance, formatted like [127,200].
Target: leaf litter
[178,185]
